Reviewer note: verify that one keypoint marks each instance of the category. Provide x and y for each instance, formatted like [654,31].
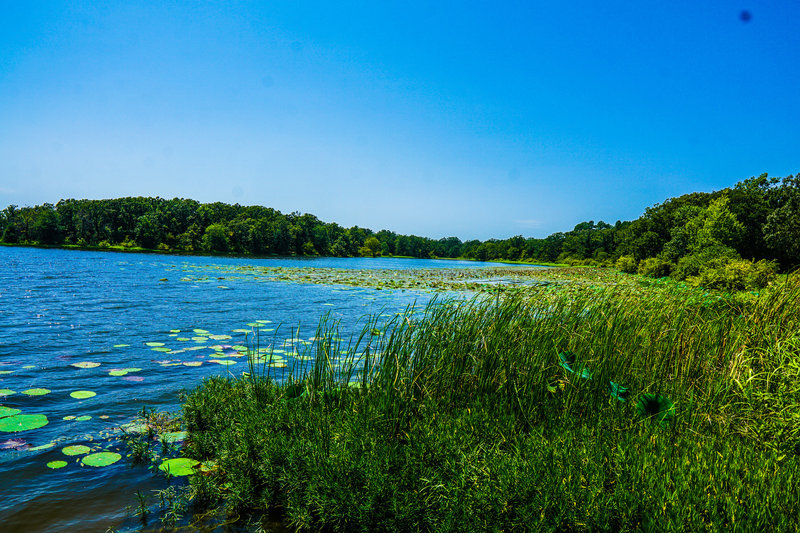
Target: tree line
[753,225]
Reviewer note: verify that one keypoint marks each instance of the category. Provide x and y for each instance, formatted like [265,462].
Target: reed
[618,408]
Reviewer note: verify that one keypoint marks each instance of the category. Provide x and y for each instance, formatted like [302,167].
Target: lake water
[61,309]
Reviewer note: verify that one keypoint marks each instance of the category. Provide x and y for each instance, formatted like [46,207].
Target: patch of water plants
[606,407]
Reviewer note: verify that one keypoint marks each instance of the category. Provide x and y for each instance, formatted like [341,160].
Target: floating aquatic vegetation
[121,345]
[76,449]
[174,436]
[42,447]
[11,424]
[174,331]
[83,418]
[56,464]
[264,321]
[219,337]
[154,344]
[6,392]
[15,444]
[241,330]
[69,417]
[36,392]
[135,379]
[117,372]
[192,363]
[82,394]
[182,339]
[222,361]
[180,466]
[8,411]
[655,406]
[200,331]
[85,364]
[4,372]
[101,459]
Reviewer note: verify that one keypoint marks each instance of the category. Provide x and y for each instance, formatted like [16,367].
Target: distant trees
[733,237]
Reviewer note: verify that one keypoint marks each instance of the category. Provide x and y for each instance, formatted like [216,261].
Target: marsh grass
[498,414]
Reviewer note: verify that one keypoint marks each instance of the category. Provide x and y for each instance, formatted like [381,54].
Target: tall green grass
[465,417]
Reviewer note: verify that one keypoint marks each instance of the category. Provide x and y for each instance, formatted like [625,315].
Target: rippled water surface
[59,308]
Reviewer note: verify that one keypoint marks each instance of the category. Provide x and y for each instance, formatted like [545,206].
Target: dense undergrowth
[498,414]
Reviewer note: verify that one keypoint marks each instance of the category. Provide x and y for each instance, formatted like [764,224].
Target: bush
[655,267]
[736,275]
[627,264]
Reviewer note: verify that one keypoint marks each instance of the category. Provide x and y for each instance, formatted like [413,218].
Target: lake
[89,338]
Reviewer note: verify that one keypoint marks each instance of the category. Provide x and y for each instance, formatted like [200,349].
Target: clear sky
[467,119]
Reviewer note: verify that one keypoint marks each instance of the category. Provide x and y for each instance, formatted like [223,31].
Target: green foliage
[215,238]
[627,264]
[371,248]
[735,275]
[654,267]
[465,419]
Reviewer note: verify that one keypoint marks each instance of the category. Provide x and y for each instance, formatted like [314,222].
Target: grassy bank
[604,408]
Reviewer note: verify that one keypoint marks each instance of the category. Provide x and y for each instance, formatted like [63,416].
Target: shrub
[736,275]
[627,264]
[655,267]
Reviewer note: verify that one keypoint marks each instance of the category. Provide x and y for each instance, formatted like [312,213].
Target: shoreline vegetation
[732,239]
[607,403]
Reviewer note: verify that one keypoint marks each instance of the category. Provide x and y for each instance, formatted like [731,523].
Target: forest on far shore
[735,238]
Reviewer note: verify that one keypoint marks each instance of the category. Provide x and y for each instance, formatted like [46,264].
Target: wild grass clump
[599,409]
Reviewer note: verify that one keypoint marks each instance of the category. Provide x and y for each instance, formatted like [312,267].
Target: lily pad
[6,392]
[15,423]
[192,363]
[184,339]
[174,331]
[77,449]
[56,464]
[180,466]
[43,447]
[8,411]
[153,344]
[655,406]
[222,361]
[240,330]
[85,364]
[69,417]
[83,418]
[82,394]
[101,459]
[135,379]
[121,345]
[117,372]
[174,436]
[161,349]
[4,372]
[200,331]
[36,392]
[28,367]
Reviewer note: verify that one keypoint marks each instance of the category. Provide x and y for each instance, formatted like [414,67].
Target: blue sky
[471,119]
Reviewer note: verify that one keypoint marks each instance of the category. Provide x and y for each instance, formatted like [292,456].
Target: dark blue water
[59,308]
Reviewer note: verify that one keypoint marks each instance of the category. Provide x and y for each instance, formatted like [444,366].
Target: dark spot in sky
[745,15]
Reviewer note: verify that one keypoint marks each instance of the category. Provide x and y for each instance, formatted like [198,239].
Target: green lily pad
[264,321]
[42,447]
[83,418]
[85,364]
[4,372]
[101,459]
[655,406]
[28,367]
[69,417]
[121,345]
[6,392]
[200,331]
[180,466]
[117,372]
[240,330]
[77,449]
[36,392]
[239,348]
[161,349]
[8,411]
[174,331]
[56,464]
[174,436]
[152,344]
[183,339]
[192,363]
[15,423]
[82,394]
[219,337]
[253,324]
